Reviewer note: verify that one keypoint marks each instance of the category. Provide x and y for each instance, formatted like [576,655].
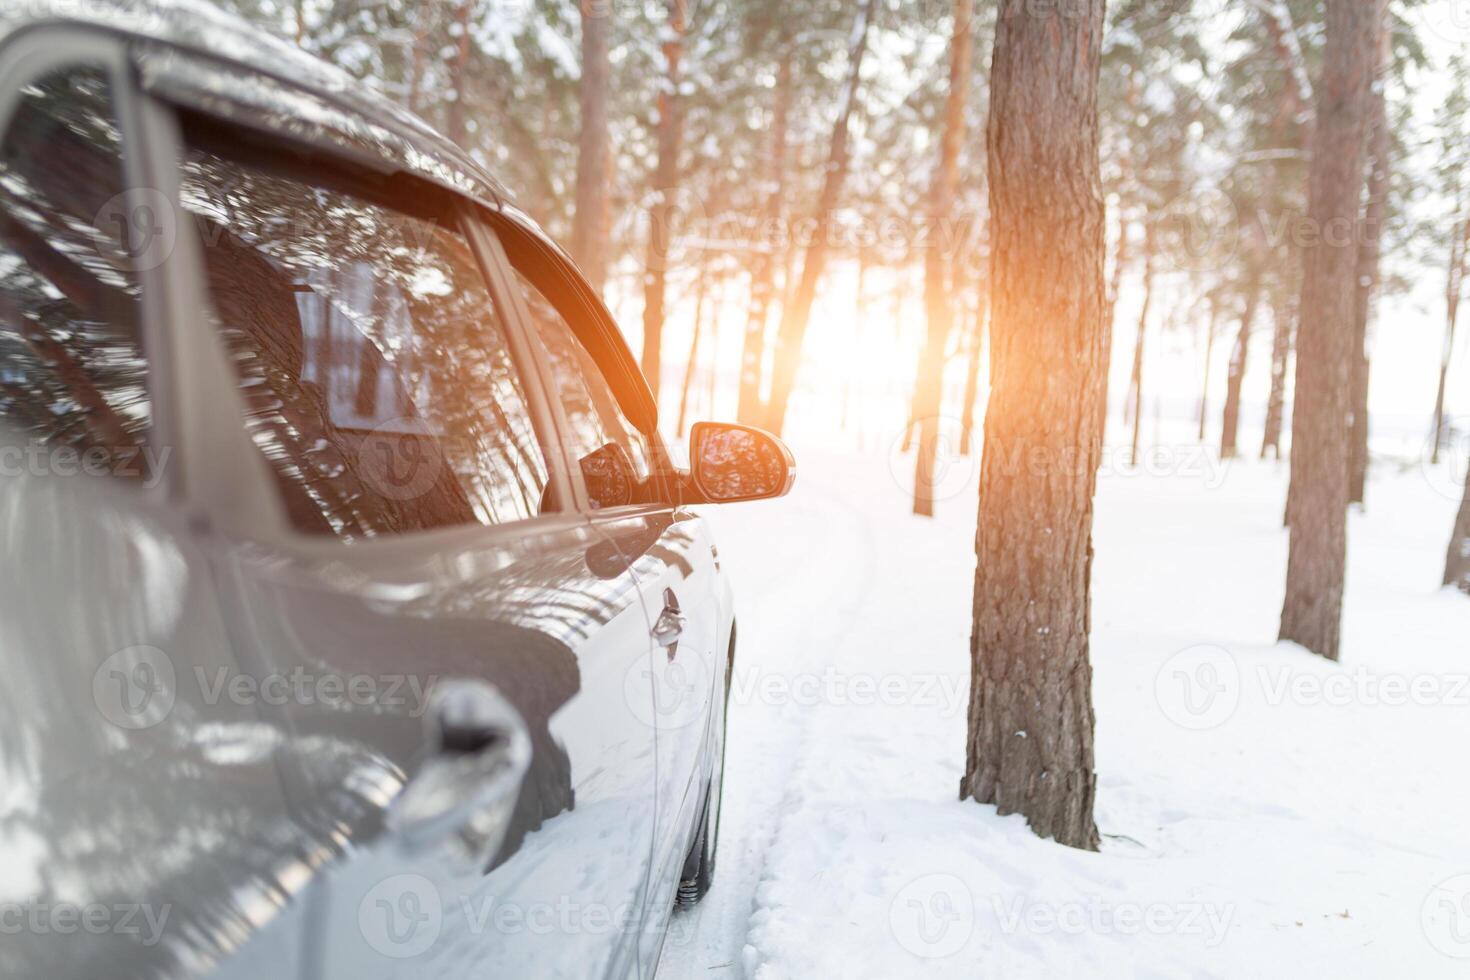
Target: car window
[600,434]
[72,367]
[374,363]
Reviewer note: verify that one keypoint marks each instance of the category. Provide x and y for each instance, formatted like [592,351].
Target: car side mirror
[728,463]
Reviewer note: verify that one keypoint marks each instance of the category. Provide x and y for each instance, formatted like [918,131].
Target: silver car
[353,621]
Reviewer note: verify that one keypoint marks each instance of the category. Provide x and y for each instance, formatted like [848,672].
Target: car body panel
[266,827]
[131,787]
[671,555]
[567,646]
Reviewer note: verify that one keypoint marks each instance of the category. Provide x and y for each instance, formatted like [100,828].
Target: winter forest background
[715,123]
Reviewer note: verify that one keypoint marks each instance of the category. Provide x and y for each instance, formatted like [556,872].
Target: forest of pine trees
[1056,186]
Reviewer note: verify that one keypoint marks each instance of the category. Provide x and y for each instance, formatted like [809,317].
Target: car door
[668,548]
[407,555]
[146,831]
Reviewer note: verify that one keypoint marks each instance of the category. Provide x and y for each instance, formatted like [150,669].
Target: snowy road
[795,618]
[1261,809]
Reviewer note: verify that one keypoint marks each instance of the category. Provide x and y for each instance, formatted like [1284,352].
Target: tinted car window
[72,370]
[374,363]
[613,455]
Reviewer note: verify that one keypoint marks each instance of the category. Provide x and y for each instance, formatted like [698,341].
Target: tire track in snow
[794,622]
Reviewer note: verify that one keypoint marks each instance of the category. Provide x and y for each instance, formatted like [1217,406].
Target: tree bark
[749,407]
[1115,285]
[1297,94]
[665,183]
[457,74]
[972,372]
[423,21]
[794,315]
[699,291]
[1204,390]
[590,220]
[1457,561]
[1135,379]
[929,385]
[1454,284]
[1030,739]
[859,304]
[1281,344]
[1311,614]
[711,380]
[1370,247]
[1230,420]
[1115,278]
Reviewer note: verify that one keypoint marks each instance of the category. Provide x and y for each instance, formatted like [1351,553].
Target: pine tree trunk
[590,221]
[1290,126]
[929,385]
[458,68]
[1135,379]
[423,20]
[1204,390]
[1358,431]
[665,183]
[1281,343]
[794,315]
[1457,561]
[1115,285]
[972,374]
[1230,420]
[1030,741]
[859,303]
[1459,244]
[711,385]
[1311,614]
[749,407]
[699,292]
[1369,248]
[1115,278]
[1437,443]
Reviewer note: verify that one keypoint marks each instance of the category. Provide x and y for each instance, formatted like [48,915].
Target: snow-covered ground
[1263,812]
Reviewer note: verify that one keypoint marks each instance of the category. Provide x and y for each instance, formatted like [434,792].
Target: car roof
[185,32]
[207,59]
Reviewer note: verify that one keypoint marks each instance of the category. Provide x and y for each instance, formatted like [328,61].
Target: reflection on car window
[72,371]
[375,366]
[600,434]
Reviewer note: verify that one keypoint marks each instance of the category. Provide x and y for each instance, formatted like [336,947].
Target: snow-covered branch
[1283,34]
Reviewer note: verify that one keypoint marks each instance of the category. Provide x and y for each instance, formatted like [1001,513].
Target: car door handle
[670,623]
[466,788]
